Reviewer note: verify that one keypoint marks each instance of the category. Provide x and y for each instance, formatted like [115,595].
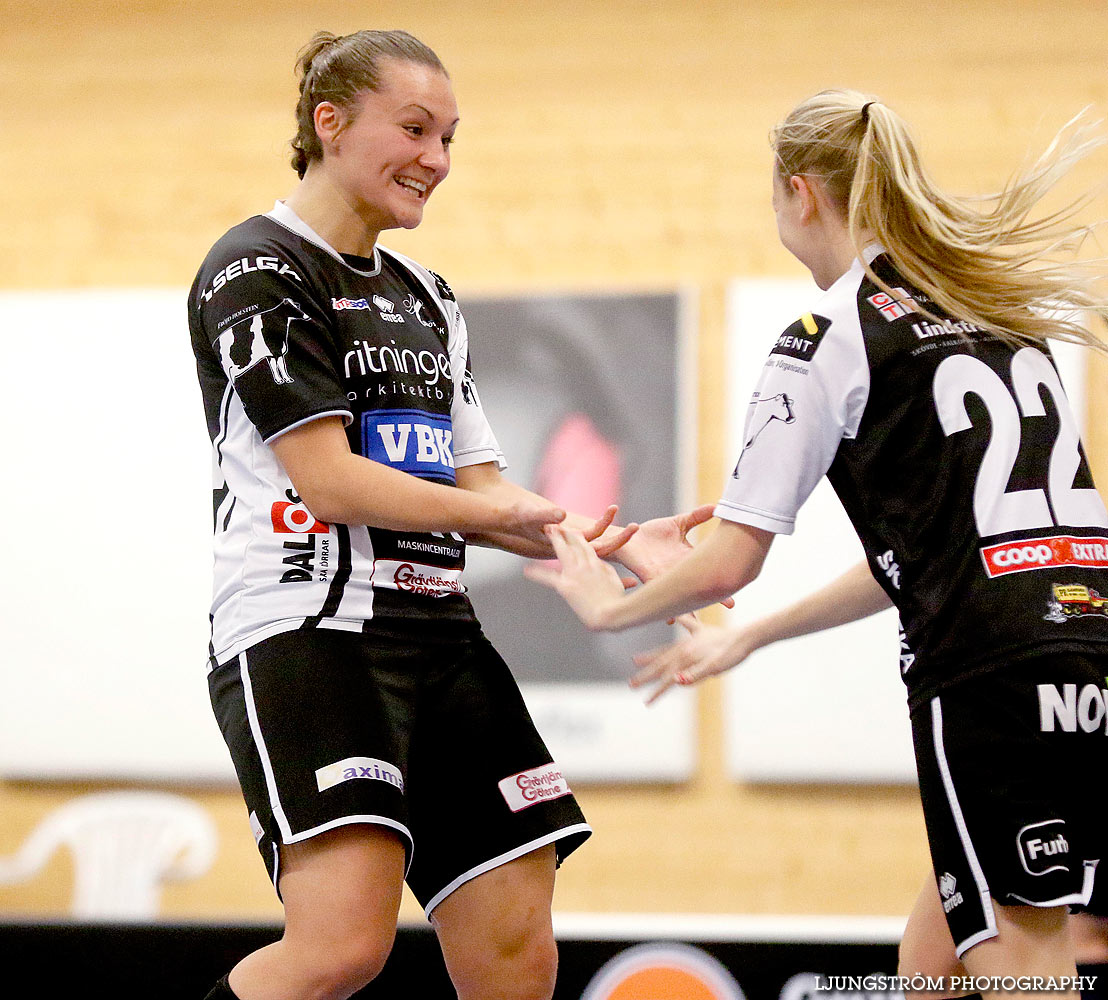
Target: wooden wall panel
[603,145]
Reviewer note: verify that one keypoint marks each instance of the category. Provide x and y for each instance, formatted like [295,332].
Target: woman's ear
[803,186]
[329,122]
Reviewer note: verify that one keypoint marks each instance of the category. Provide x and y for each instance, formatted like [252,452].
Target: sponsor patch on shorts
[529,788]
[256,827]
[353,768]
[1043,847]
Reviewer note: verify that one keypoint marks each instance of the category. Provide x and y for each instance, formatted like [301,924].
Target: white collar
[285,216]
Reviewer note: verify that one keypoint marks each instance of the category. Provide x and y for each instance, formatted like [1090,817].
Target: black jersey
[957,459]
[286,330]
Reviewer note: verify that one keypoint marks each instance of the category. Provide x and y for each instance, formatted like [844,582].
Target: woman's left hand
[663,542]
[706,651]
[588,584]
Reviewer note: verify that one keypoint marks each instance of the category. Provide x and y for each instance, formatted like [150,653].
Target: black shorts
[1011,771]
[429,737]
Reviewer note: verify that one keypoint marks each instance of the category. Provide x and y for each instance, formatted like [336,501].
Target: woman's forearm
[848,598]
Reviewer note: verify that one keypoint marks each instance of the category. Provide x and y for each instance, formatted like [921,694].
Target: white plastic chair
[125,845]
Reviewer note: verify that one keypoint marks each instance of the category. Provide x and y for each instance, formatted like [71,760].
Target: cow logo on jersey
[1043,847]
[1074,600]
[237,268]
[1021,555]
[264,336]
[760,414]
[413,441]
[801,340]
[892,307]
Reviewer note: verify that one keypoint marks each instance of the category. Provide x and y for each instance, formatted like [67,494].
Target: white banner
[108,463]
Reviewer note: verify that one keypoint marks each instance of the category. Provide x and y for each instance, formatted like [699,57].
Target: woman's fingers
[566,547]
[696,517]
[605,546]
[602,523]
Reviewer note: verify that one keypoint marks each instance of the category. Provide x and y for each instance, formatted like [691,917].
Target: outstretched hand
[707,650]
[663,542]
[588,584]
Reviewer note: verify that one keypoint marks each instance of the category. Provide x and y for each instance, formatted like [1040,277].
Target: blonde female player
[376,733]
[920,384]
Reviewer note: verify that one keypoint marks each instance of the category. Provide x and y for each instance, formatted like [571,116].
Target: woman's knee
[521,963]
[496,934]
[340,968]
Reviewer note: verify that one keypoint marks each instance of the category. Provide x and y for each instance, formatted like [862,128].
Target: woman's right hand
[707,650]
[527,516]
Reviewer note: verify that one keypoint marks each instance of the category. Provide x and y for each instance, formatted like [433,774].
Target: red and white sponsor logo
[1045,553]
[295,519]
[415,578]
[529,788]
[894,306]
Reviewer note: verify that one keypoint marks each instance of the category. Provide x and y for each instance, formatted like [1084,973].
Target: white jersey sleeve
[811,395]
[473,439]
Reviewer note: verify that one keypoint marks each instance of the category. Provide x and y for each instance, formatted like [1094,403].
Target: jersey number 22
[996,510]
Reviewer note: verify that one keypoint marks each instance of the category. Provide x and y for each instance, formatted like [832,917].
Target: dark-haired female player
[376,734]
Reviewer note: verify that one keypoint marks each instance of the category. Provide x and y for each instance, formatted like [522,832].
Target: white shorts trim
[961,947]
[503,859]
[369,819]
[263,754]
[1081,897]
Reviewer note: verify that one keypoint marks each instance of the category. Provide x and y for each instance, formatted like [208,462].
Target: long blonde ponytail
[983,260]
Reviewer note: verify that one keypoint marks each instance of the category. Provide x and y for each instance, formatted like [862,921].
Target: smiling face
[392,150]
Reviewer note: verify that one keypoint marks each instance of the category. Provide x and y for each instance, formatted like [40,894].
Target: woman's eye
[415,129]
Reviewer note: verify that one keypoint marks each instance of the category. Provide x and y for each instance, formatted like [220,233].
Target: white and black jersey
[958,461]
[286,330]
